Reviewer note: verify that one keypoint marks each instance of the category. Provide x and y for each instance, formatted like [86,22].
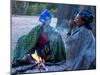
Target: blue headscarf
[45,15]
[86,15]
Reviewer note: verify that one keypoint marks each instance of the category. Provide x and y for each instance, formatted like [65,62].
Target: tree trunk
[64,12]
[19,7]
[22,8]
[13,6]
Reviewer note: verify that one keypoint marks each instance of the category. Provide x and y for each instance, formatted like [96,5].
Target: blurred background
[60,11]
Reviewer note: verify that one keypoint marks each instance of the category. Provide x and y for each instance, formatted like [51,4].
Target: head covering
[86,15]
[45,15]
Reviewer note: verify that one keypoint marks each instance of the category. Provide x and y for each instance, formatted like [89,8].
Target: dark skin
[78,21]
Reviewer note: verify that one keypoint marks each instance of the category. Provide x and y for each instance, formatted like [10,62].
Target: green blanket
[26,42]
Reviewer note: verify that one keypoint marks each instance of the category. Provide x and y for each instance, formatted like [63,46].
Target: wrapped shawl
[80,49]
[26,42]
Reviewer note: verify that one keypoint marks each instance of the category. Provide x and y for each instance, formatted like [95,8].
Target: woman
[43,39]
[80,44]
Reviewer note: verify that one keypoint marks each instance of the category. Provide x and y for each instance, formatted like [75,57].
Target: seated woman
[80,44]
[43,39]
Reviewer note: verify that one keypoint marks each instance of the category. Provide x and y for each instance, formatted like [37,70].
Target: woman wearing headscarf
[80,43]
[43,39]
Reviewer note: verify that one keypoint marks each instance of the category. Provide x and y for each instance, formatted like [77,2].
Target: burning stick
[39,61]
[41,64]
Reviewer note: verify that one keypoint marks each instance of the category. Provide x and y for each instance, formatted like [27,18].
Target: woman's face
[47,22]
[78,20]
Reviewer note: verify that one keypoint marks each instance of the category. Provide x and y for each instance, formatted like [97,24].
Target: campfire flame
[37,58]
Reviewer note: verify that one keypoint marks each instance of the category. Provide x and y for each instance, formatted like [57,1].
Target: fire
[37,58]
